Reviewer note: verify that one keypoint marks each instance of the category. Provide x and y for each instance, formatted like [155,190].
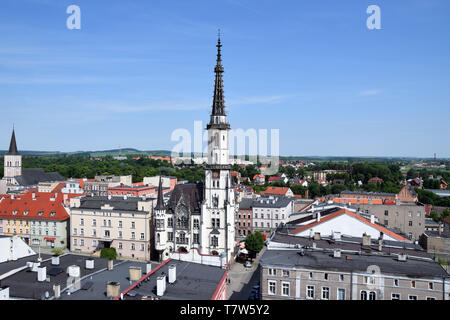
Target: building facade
[99,222]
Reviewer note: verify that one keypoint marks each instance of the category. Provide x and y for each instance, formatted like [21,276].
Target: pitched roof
[192,193]
[275,190]
[160,202]
[32,176]
[13,146]
[27,209]
[352,214]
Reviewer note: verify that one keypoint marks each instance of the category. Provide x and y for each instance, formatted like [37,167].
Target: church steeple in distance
[12,145]
[218,115]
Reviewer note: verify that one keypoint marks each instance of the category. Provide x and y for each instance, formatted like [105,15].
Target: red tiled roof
[354,215]
[59,187]
[274,179]
[32,208]
[276,190]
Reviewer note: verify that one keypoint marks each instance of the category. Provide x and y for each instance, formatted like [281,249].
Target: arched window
[372,295]
[363,295]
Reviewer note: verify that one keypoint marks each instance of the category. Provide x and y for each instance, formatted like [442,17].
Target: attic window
[52,213]
[14,212]
[40,213]
[25,213]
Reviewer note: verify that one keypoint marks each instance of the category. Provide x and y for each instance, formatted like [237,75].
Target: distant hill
[99,153]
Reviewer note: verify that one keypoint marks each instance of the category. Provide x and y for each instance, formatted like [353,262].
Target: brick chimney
[366,240]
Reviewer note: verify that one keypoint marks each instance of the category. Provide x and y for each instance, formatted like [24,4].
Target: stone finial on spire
[160,199]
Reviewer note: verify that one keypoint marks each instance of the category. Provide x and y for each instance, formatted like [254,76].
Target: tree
[254,242]
[108,253]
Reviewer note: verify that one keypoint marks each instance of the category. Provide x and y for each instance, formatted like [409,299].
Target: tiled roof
[40,209]
[275,190]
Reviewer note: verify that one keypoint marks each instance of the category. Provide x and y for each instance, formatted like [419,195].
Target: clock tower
[219,207]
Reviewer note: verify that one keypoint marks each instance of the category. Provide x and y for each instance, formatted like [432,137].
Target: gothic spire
[218,107]
[160,201]
[13,146]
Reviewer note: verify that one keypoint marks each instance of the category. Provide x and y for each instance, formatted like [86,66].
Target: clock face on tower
[215,174]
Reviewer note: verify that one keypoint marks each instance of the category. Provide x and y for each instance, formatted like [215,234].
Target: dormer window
[14,212]
[52,214]
[25,213]
[40,213]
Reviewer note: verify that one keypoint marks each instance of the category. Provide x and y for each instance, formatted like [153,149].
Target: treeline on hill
[83,167]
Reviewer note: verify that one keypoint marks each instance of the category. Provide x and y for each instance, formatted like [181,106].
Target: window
[341,277]
[120,245]
[430,285]
[412,297]
[74,242]
[74,231]
[310,292]
[133,225]
[170,236]
[94,223]
[386,213]
[272,272]
[94,243]
[410,214]
[285,273]
[120,234]
[413,284]
[133,235]
[133,247]
[196,239]
[142,236]
[170,222]
[431,298]
[395,296]
[120,223]
[363,295]
[410,223]
[341,294]
[325,293]
[370,280]
[310,275]
[285,288]
[197,224]
[372,295]
[82,242]
[272,287]
[395,282]
[325,276]
[142,247]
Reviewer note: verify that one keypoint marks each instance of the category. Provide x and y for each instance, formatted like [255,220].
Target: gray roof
[24,284]
[280,202]
[353,244]
[192,193]
[440,193]
[246,203]
[97,291]
[194,282]
[325,261]
[118,203]
[369,193]
[32,176]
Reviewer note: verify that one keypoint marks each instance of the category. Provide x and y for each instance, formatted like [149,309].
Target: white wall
[13,248]
[346,225]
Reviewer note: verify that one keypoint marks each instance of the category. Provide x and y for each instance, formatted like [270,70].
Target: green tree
[254,242]
[108,253]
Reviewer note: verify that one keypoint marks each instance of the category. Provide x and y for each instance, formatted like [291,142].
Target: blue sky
[137,70]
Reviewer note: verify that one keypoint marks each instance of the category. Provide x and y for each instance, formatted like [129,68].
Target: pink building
[133,191]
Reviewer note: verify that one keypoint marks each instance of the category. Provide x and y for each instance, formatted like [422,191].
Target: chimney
[336,253]
[318,216]
[160,285]
[33,196]
[112,289]
[172,273]
[380,244]
[148,268]
[402,257]
[336,235]
[372,219]
[12,196]
[316,235]
[57,290]
[4,293]
[135,273]
[110,264]
[55,261]
[440,228]
[366,240]
[90,264]
[41,274]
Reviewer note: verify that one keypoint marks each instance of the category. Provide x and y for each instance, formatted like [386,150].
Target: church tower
[219,208]
[12,161]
